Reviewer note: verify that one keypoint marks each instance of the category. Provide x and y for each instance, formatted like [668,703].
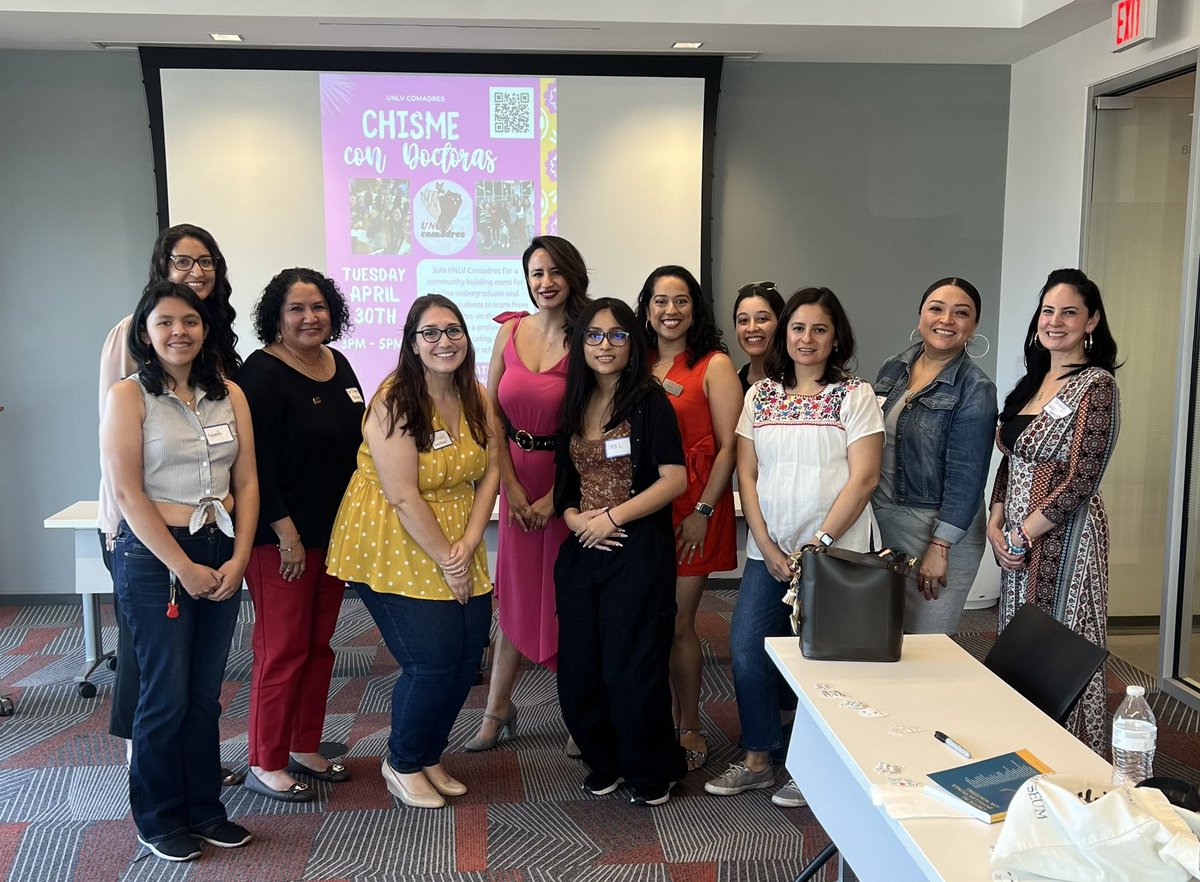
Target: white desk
[91,578]
[935,686]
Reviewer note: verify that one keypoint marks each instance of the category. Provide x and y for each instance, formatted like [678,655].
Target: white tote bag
[1130,834]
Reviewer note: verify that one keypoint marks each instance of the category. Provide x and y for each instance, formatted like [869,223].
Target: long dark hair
[703,336]
[779,365]
[407,399]
[632,384]
[217,307]
[269,308]
[570,263]
[1102,353]
[204,371]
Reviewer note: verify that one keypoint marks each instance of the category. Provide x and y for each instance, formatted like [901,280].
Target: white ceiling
[916,31]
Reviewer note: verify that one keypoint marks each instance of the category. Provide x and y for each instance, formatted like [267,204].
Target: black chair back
[1045,661]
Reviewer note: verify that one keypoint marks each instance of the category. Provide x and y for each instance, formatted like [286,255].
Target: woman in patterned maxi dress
[1047,526]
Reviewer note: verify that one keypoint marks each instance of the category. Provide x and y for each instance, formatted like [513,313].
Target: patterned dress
[1055,466]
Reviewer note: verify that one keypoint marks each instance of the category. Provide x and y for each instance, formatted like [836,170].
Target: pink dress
[525,561]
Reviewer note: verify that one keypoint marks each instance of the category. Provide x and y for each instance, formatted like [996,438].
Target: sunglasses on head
[751,287]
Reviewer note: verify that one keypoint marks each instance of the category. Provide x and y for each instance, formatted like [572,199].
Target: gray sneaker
[739,778]
[789,796]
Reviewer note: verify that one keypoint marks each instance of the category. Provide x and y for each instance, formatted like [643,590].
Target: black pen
[952,744]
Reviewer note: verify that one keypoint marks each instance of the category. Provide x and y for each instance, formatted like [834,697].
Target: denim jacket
[944,439]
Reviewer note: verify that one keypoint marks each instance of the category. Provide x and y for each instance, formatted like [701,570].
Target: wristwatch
[705,510]
[825,538]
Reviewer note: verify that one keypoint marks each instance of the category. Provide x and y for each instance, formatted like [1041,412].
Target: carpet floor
[64,811]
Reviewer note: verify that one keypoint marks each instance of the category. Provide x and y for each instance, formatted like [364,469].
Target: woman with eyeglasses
[619,465]
[756,312]
[188,255]
[178,447]
[526,381]
[307,407]
[940,414]
[693,366]
[809,444]
[1047,526]
[408,537]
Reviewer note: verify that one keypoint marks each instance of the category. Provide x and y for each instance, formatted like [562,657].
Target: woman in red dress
[703,387]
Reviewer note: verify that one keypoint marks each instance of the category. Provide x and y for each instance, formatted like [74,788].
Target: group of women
[612,437]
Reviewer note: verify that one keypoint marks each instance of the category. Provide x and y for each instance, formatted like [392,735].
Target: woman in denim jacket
[940,415]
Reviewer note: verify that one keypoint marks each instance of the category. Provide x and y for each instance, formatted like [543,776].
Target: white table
[936,685]
[91,579]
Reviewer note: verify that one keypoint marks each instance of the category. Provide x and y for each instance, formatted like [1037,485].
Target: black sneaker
[601,784]
[225,834]
[179,847]
[652,794]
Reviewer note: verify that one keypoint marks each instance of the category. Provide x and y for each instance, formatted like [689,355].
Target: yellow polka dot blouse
[370,545]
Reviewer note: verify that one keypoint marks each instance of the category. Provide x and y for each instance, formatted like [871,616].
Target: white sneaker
[789,796]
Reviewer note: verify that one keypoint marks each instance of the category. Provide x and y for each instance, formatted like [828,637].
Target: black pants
[125,687]
[616,621]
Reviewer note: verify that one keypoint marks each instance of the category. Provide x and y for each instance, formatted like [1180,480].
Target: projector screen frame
[703,67]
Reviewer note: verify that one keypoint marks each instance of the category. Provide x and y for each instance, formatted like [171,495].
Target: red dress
[699,451]
[525,561]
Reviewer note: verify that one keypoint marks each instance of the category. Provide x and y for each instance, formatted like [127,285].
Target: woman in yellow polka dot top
[409,539]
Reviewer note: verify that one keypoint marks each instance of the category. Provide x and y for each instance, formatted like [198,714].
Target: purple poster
[433,185]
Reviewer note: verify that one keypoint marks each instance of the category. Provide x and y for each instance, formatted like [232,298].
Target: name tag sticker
[354,394]
[615,447]
[220,434]
[672,388]
[441,438]
[1056,408]
[881,400]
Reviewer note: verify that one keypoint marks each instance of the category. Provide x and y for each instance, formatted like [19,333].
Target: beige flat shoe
[396,787]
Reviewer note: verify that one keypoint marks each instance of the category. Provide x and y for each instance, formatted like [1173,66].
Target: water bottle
[1133,736]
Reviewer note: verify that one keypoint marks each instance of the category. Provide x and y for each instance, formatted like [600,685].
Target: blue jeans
[438,644]
[759,613]
[175,778]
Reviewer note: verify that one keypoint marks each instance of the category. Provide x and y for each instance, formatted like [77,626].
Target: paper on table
[902,803]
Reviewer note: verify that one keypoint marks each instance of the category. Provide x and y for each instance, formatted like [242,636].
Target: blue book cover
[984,789]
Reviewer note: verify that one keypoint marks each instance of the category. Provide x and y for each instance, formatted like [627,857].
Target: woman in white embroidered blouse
[810,440]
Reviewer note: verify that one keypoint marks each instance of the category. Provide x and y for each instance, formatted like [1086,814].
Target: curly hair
[217,308]
[269,309]
[703,335]
[779,365]
[406,400]
[205,371]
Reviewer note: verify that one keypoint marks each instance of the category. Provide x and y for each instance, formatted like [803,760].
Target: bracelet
[1018,550]
[283,550]
[1024,536]
[610,517]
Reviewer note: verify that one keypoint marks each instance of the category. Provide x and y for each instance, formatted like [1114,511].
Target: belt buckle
[524,440]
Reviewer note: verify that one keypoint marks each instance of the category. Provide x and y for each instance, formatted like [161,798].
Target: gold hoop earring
[1035,342]
[1087,344]
[913,334]
[971,354]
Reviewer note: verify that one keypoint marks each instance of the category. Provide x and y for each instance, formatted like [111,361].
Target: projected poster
[433,185]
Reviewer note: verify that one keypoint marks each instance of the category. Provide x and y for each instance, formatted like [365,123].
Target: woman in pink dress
[526,380]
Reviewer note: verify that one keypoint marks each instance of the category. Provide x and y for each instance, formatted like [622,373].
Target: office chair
[1045,661]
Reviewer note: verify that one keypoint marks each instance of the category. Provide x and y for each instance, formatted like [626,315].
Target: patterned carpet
[64,805]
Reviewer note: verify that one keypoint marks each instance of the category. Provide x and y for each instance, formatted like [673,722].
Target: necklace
[304,366]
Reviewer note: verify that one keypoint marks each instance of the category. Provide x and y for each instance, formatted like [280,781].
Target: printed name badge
[1056,408]
[220,434]
[354,394]
[441,438]
[615,447]
[672,388]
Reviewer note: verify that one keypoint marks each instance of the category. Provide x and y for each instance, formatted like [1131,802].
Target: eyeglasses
[594,337]
[751,287]
[432,335]
[183,262]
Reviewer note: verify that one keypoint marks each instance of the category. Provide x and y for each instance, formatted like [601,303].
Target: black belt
[526,441]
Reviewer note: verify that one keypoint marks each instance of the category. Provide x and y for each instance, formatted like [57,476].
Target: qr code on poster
[511,112]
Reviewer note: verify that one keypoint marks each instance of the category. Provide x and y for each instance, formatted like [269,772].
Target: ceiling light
[683,45]
[227,38]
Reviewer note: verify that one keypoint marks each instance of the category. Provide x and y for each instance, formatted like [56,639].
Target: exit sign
[1133,22]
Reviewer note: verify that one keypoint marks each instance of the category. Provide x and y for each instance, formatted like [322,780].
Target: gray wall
[873,180]
[76,222]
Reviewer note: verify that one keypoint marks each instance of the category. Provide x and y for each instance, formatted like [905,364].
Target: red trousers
[293,663]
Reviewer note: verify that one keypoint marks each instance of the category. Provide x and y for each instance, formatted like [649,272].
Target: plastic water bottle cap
[1135,690]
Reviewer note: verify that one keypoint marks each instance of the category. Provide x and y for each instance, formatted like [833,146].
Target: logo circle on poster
[442,212]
